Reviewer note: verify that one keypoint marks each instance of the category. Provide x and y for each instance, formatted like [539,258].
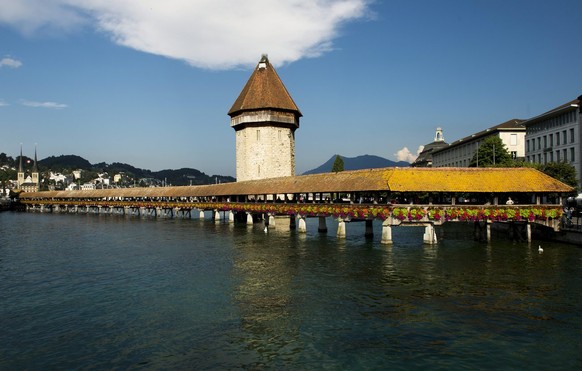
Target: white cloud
[51,105]
[3,104]
[404,154]
[10,62]
[214,34]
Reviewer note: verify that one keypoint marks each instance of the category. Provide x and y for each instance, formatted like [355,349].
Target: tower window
[258,134]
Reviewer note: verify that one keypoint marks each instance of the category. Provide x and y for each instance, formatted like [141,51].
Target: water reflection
[114,292]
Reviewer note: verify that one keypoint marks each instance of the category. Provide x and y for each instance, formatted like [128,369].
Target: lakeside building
[460,152]
[424,159]
[556,136]
[264,117]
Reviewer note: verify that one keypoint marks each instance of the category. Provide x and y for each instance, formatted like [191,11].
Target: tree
[563,171]
[491,152]
[338,164]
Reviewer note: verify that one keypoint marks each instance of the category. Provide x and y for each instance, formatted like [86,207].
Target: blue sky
[150,82]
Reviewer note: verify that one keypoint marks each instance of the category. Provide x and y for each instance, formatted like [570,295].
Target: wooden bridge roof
[264,90]
[445,180]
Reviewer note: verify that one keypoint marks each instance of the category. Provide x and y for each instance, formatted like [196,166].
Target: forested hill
[67,163]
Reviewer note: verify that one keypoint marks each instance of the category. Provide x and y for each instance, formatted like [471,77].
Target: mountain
[356,163]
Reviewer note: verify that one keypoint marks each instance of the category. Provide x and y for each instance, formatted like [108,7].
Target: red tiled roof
[264,90]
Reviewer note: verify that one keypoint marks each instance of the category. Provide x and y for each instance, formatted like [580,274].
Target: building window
[572,157]
[551,140]
[565,155]
[258,134]
[513,140]
[564,138]
[527,145]
[513,155]
[545,141]
[572,135]
[557,139]
[557,154]
[539,143]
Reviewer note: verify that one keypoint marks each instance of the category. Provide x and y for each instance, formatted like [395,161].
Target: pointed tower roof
[20,168]
[34,166]
[264,90]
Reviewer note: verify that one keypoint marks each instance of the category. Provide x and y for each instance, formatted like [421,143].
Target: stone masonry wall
[264,152]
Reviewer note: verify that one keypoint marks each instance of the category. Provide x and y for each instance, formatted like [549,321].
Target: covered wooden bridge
[396,196]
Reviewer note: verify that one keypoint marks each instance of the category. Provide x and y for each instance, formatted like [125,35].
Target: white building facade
[460,153]
[556,136]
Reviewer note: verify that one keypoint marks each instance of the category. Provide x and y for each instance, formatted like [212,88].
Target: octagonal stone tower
[264,117]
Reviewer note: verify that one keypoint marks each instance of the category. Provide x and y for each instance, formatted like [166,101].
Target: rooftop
[264,90]
[445,180]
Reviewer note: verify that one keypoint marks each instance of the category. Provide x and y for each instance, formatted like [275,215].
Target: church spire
[34,166]
[20,168]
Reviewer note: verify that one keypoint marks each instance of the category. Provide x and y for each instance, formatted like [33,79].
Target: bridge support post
[249,218]
[272,223]
[230,217]
[386,233]
[322,228]
[201,215]
[429,235]
[216,216]
[488,231]
[369,228]
[341,228]
[302,228]
[292,224]
[528,229]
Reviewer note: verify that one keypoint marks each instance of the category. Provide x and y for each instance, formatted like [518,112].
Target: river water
[115,292]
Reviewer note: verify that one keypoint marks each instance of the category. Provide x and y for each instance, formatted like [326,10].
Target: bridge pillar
[292,222]
[429,236]
[386,233]
[272,223]
[302,227]
[230,217]
[528,229]
[488,231]
[369,228]
[249,218]
[322,228]
[216,216]
[201,215]
[341,228]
